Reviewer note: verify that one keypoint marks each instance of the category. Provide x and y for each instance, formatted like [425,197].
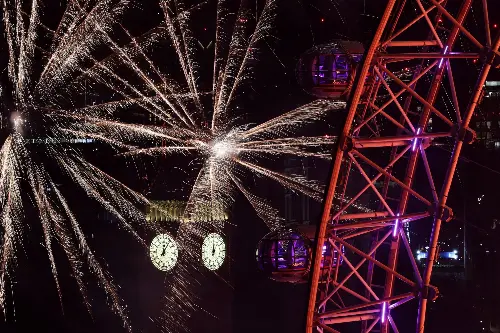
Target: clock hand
[213,249]
[163,252]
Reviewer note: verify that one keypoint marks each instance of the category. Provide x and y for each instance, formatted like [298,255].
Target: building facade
[487,123]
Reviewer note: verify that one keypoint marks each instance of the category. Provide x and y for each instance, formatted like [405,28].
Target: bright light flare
[442,59]
[222,149]
[415,141]
[396,227]
[17,121]
[383,317]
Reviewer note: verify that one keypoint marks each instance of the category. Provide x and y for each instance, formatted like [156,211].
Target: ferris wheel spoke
[393,102]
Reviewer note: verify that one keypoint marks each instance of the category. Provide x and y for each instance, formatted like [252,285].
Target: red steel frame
[430,37]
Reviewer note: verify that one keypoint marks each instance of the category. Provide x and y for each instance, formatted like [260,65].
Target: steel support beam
[386,136]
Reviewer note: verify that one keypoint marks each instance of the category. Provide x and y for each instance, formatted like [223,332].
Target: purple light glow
[415,140]
[445,50]
[396,226]
[384,311]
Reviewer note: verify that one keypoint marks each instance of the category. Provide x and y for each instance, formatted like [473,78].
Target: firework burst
[215,132]
[195,121]
[42,63]
[204,124]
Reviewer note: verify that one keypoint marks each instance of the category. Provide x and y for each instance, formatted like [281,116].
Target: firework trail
[230,150]
[42,66]
[216,134]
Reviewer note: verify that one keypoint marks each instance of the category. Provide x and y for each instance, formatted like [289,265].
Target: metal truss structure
[382,150]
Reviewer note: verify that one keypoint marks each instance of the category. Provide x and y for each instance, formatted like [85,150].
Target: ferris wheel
[382,148]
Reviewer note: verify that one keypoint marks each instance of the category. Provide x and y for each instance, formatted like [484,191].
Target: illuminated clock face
[164,252]
[213,251]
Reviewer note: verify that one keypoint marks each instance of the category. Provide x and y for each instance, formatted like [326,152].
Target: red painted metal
[384,136]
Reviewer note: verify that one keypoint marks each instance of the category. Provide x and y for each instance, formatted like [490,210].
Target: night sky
[239,298]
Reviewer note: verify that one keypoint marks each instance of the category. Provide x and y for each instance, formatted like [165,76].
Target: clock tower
[204,272]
